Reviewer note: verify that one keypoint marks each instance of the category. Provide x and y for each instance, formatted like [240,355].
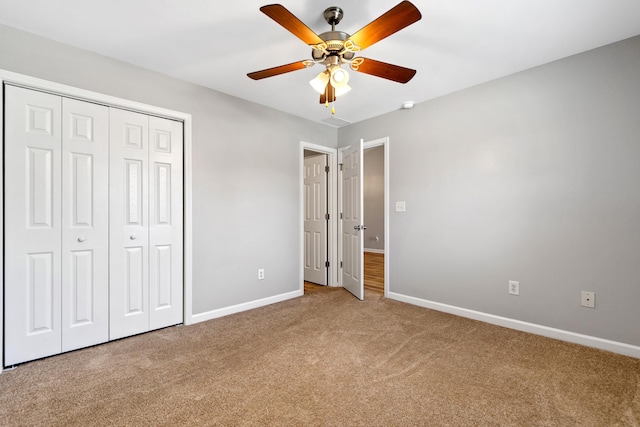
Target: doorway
[334,239]
[316,218]
[318,215]
[374,216]
[381,232]
[378,259]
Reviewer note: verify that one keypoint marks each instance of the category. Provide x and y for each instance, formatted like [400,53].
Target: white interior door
[352,221]
[165,223]
[315,221]
[85,224]
[129,222]
[32,225]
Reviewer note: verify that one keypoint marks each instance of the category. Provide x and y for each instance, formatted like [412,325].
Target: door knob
[80,239]
[132,237]
[359,227]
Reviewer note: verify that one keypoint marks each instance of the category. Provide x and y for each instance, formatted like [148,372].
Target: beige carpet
[328,359]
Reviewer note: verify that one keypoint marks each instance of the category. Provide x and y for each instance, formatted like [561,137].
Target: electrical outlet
[261,274]
[588,299]
[514,287]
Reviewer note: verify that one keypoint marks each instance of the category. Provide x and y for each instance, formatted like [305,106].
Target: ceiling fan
[334,48]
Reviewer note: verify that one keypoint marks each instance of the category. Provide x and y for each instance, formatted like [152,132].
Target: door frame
[385,141]
[95,97]
[332,207]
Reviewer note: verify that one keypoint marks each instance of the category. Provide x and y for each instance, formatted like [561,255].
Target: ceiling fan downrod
[333,15]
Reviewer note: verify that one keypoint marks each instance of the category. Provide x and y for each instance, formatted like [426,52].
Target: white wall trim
[532,328]
[188,221]
[86,95]
[238,308]
[332,161]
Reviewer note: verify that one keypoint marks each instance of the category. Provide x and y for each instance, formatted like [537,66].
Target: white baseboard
[559,334]
[375,251]
[214,314]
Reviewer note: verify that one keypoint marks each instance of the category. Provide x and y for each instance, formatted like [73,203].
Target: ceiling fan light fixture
[339,77]
[342,90]
[319,84]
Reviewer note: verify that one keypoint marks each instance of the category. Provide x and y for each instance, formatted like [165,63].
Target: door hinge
[326,216]
[340,264]
[341,215]
[326,264]
[326,169]
[341,165]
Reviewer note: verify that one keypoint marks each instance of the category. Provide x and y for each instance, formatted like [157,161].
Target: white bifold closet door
[93,224]
[56,224]
[146,223]
[85,224]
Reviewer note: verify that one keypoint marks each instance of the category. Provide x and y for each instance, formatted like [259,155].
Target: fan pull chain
[326,96]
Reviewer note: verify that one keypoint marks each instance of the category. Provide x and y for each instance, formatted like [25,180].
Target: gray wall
[533,177]
[373,183]
[245,167]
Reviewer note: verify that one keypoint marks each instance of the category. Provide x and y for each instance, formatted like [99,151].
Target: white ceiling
[457,44]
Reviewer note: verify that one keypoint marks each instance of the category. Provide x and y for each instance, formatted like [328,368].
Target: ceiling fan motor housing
[335,44]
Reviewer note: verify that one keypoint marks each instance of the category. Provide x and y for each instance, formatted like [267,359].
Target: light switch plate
[401,207]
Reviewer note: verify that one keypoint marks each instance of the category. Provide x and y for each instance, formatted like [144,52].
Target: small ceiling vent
[336,121]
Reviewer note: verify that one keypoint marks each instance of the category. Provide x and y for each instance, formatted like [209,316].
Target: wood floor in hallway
[373,274]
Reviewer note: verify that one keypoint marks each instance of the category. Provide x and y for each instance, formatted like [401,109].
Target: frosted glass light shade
[320,82]
[339,77]
[342,89]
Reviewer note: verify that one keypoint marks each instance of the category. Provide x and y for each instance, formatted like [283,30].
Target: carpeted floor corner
[327,359]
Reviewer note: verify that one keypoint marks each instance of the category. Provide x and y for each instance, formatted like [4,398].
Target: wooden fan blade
[330,93]
[288,20]
[398,17]
[270,72]
[386,71]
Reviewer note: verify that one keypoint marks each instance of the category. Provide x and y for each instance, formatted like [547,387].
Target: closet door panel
[129,223]
[85,233]
[165,217]
[32,225]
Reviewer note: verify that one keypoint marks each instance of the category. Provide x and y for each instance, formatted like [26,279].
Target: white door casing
[129,223]
[352,221]
[315,221]
[85,224]
[165,223]
[32,225]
